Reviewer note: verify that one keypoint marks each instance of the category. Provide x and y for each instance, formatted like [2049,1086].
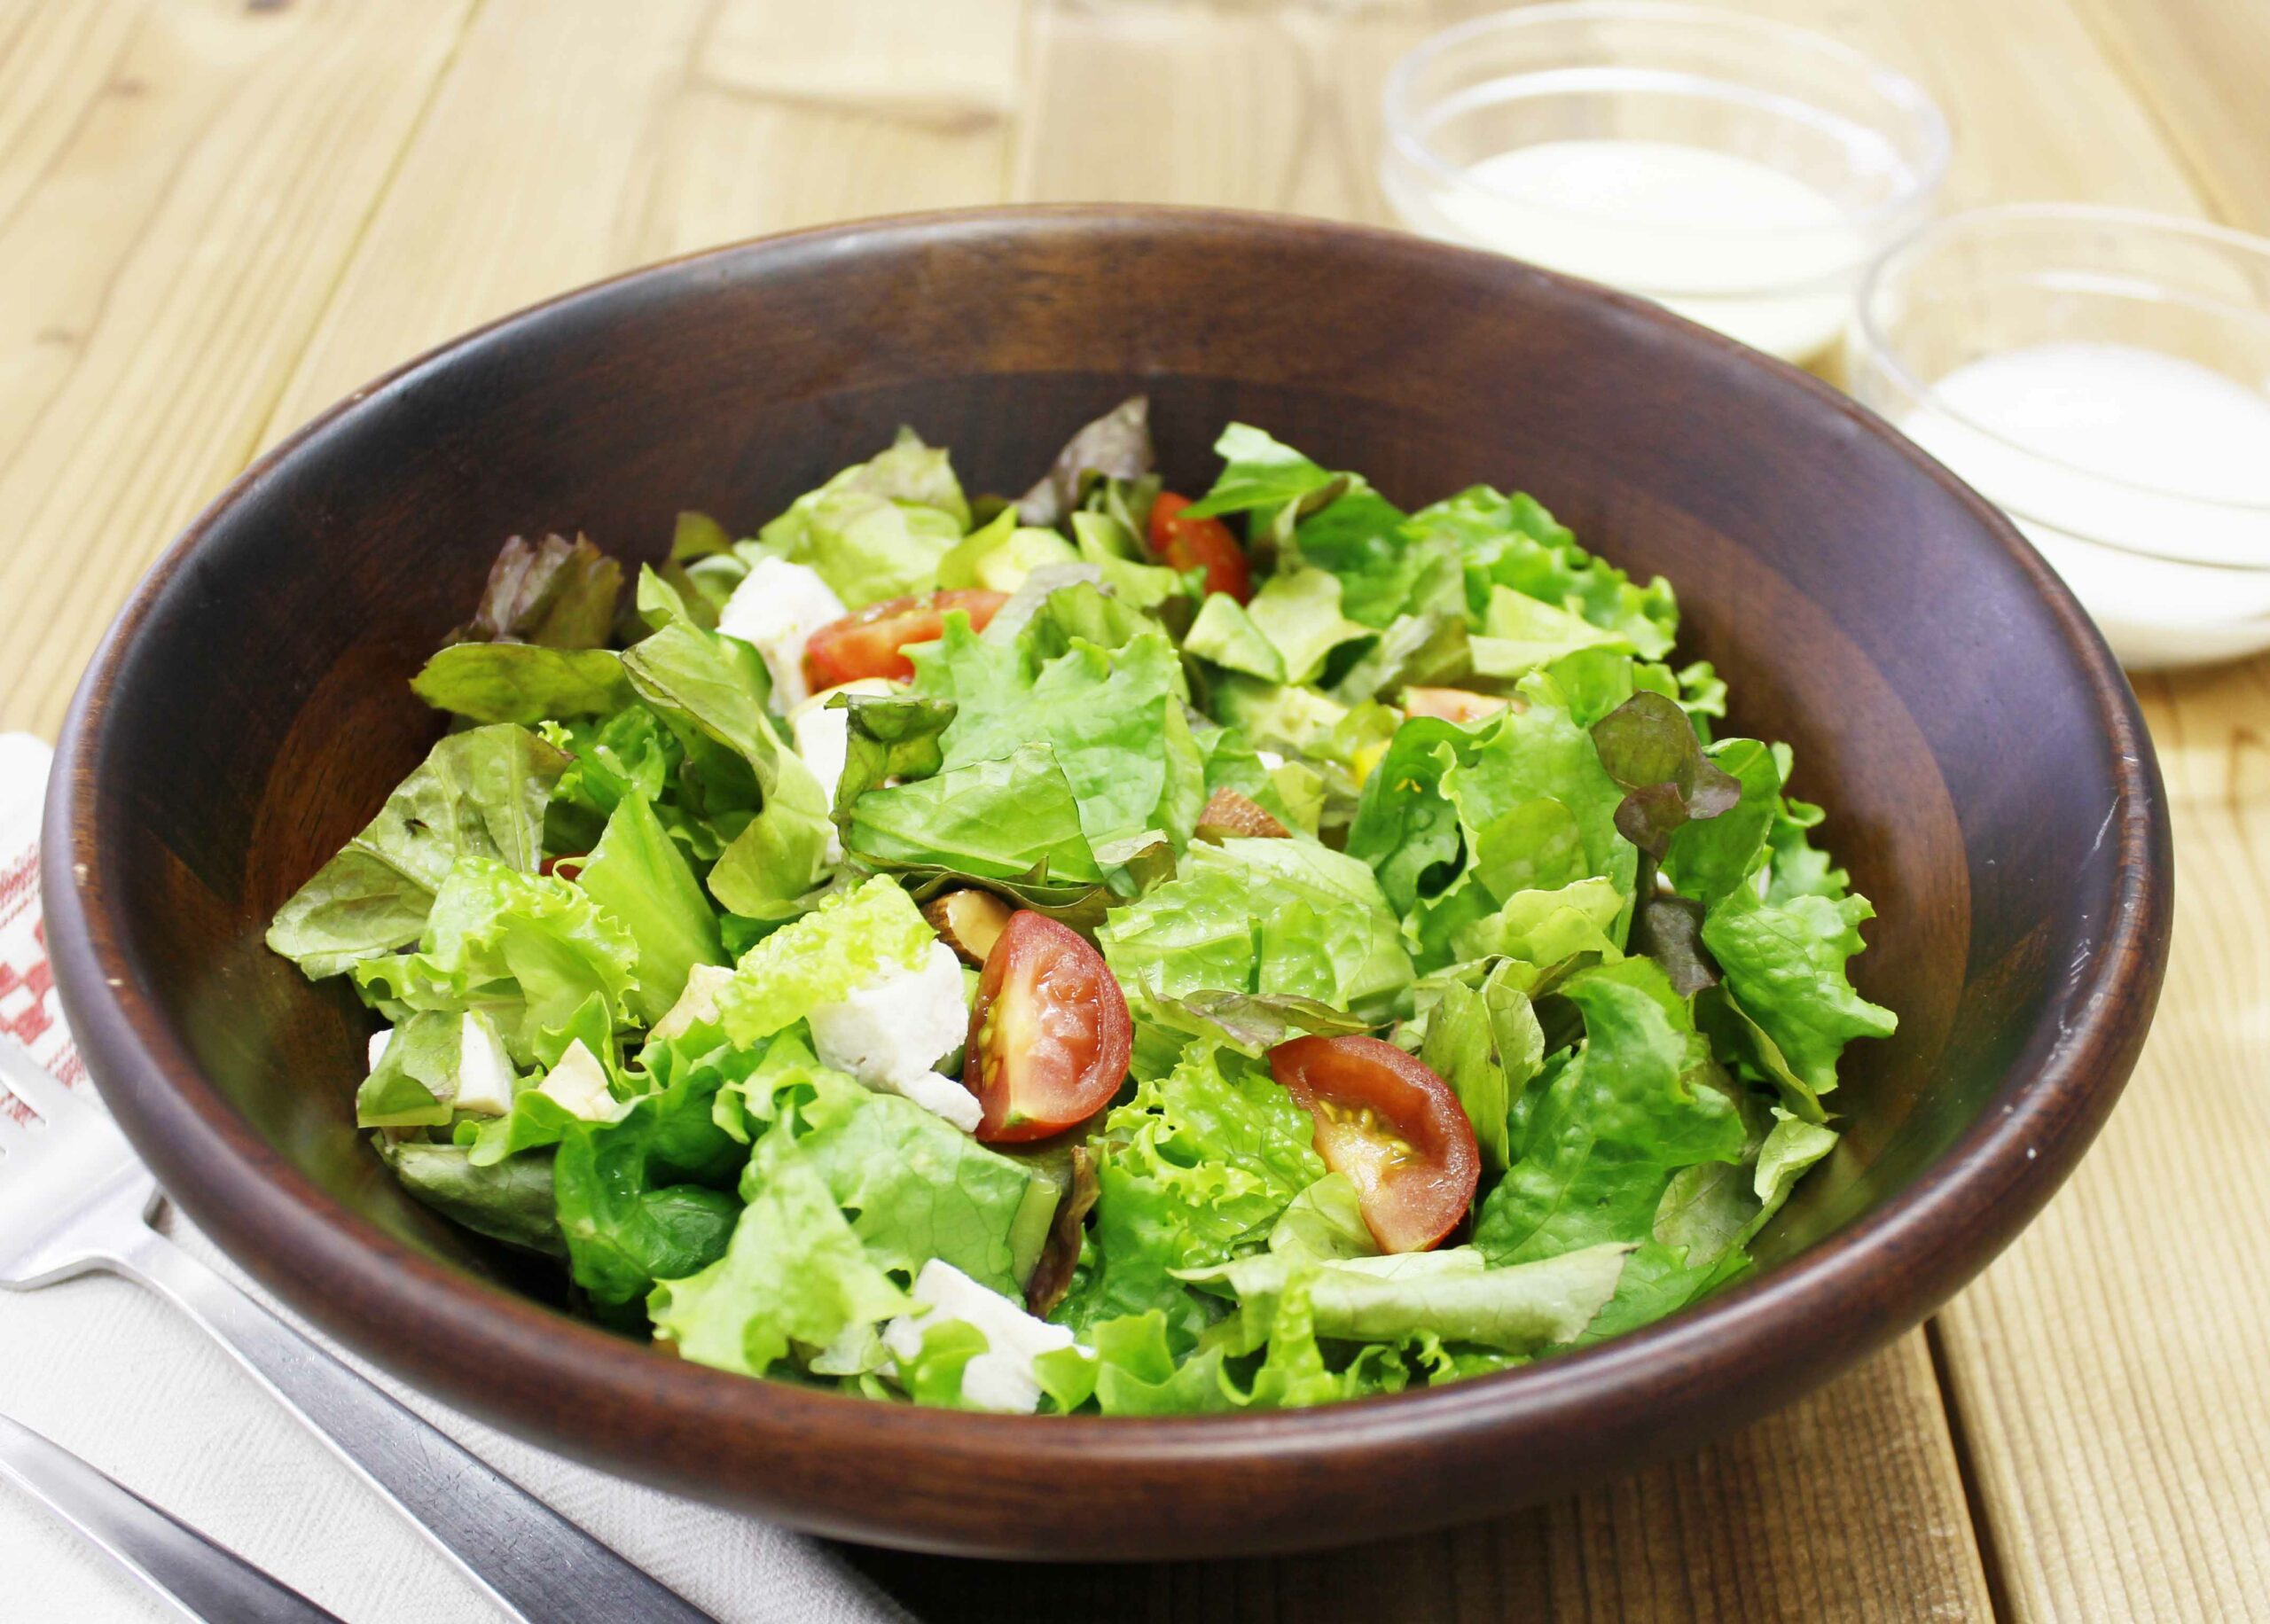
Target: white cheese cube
[823,739]
[891,1033]
[379,1042]
[777,608]
[484,1071]
[579,1082]
[697,1004]
[943,1096]
[1001,1377]
[1269,759]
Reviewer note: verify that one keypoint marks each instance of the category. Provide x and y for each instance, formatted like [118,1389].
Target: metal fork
[75,1197]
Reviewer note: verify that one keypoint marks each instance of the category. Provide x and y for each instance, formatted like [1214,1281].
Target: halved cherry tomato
[1393,1127]
[566,867]
[1049,1038]
[867,644]
[1200,544]
[1459,704]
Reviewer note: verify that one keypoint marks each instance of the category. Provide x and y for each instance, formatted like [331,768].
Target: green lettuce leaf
[642,880]
[1785,965]
[511,1203]
[1454,1294]
[850,940]
[1285,916]
[527,950]
[1011,820]
[878,529]
[1299,614]
[522,682]
[793,1274]
[712,690]
[1112,720]
[1201,1162]
[1262,474]
[638,1199]
[480,793]
[1513,541]
[1457,821]
[1635,1104]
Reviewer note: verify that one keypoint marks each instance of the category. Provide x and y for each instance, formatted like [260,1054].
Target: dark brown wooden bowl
[1987,778]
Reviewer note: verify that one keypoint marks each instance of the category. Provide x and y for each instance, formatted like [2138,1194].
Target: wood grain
[613,135]
[179,186]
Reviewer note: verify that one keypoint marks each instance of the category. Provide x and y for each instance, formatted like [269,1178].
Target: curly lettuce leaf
[1457,821]
[526,950]
[1513,541]
[1785,963]
[1201,1161]
[480,793]
[1636,1104]
[850,940]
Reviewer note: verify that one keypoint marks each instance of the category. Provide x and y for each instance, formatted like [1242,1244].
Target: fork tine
[31,1082]
[12,1131]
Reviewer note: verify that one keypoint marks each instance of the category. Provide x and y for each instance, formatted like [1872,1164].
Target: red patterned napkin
[29,1011]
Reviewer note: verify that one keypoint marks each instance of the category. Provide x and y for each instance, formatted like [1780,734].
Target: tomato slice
[1393,1127]
[1459,704]
[867,644]
[1200,544]
[1049,1039]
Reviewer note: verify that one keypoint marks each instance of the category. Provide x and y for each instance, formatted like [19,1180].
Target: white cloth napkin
[109,1371]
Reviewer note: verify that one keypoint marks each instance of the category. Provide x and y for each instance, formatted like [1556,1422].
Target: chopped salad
[1101,951]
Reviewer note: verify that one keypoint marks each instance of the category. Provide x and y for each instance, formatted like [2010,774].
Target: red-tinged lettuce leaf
[1649,747]
[1115,446]
[559,593]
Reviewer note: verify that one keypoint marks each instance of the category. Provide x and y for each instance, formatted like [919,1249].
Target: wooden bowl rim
[1788,1330]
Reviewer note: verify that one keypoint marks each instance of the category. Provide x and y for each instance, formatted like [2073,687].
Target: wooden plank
[2203,68]
[614,135]
[179,185]
[1847,1507]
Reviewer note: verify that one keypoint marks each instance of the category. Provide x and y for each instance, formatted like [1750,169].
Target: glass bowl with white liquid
[1743,172]
[2103,377]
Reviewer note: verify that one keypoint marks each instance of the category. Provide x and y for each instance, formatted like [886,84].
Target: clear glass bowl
[2104,376]
[1743,172]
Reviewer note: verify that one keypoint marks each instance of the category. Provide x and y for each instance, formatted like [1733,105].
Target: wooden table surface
[217,216]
